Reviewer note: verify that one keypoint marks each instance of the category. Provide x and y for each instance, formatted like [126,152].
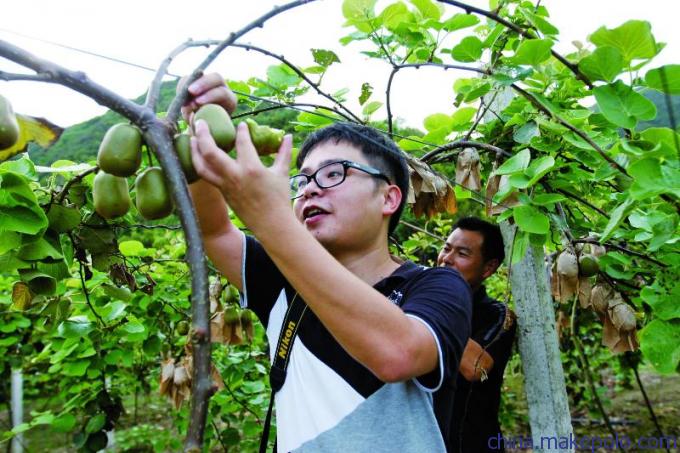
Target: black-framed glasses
[330,175]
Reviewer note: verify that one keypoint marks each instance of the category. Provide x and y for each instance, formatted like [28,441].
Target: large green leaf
[621,105]
[526,132]
[651,178]
[460,21]
[617,216]
[665,79]
[539,22]
[19,209]
[518,162]
[633,39]
[531,220]
[605,63]
[664,301]
[533,173]
[359,13]
[532,52]
[429,9]
[468,50]
[660,344]
[395,14]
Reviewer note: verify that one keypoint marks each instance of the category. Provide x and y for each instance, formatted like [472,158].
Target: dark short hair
[492,244]
[379,150]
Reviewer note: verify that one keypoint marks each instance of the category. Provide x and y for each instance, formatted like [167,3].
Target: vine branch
[183,94]
[496,18]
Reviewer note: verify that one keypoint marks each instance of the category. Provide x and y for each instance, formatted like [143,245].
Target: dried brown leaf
[217,328]
[21,296]
[584,290]
[468,169]
[167,376]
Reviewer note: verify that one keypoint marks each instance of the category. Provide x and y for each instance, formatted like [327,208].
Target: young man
[378,336]
[475,249]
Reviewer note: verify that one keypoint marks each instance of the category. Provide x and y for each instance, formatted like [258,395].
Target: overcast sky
[144,32]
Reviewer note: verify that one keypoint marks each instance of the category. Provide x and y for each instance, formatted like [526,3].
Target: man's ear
[392,199]
[490,267]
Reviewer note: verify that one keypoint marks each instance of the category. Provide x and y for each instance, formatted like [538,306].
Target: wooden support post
[545,387]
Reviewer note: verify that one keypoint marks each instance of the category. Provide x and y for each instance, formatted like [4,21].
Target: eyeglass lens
[325,177]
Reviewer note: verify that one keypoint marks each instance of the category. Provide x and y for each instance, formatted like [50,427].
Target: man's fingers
[212,157]
[245,150]
[211,89]
[282,162]
[205,83]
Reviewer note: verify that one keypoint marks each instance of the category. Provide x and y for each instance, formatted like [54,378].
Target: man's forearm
[374,331]
[211,208]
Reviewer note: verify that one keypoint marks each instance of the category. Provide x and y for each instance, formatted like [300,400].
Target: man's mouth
[313,212]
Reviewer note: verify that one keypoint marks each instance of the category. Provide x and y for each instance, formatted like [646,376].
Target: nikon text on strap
[277,373]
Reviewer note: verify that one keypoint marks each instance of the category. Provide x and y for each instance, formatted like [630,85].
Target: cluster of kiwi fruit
[120,155]
[9,127]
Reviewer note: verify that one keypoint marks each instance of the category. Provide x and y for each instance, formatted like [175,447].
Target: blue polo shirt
[332,403]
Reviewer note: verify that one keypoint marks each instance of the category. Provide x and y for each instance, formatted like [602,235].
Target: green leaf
[605,63]
[623,106]
[539,22]
[74,328]
[113,310]
[131,248]
[533,174]
[616,218]
[95,423]
[282,76]
[663,302]
[366,92]
[660,344]
[525,133]
[546,199]
[43,248]
[470,89]
[428,9]
[371,107]
[531,220]
[663,137]
[532,52]
[437,121]
[395,14]
[23,166]
[64,423]
[461,118]
[152,345]
[63,218]
[469,50]
[633,39]
[518,162]
[76,369]
[651,178]
[460,21]
[325,57]
[359,13]
[665,79]
[38,282]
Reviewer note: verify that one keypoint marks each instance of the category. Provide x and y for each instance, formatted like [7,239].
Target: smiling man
[475,249]
[376,336]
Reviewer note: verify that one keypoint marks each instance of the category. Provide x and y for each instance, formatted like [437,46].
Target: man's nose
[311,189]
[446,259]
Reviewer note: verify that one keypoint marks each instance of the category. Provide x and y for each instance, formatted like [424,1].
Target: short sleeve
[262,281]
[442,300]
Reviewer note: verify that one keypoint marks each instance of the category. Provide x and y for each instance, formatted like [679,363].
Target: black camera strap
[277,373]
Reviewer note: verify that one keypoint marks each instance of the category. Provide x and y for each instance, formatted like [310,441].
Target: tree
[570,179]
